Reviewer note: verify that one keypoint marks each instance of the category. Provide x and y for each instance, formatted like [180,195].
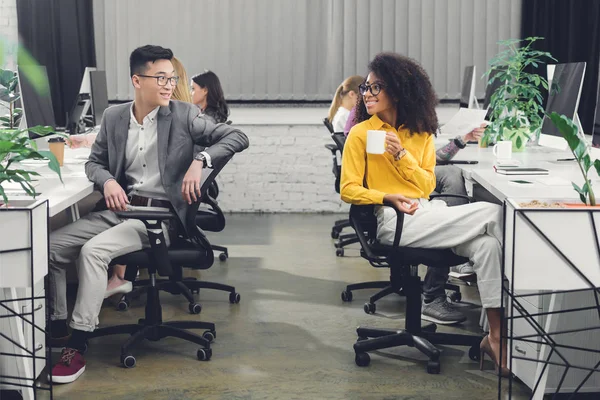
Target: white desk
[501,187]
[61,196]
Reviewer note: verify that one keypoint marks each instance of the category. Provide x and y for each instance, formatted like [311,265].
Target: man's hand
[190,189]
[392,143]
[115,197]
[475,134]
[402,203]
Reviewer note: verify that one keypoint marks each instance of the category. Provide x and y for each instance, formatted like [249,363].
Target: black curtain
[571,32]
[60,35]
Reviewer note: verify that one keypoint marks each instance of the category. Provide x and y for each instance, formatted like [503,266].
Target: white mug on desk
[375,142]
[503,150]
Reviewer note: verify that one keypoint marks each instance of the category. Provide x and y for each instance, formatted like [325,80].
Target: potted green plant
[580,150]
[517,103]
[15,144]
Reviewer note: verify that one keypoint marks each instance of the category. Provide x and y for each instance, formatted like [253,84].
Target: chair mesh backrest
[327,124]
[364,222]
[340,139]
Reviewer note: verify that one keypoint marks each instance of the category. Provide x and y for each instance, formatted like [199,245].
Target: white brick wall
[8,29]
[285,169]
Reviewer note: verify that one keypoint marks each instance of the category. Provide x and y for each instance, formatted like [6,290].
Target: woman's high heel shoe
[486,348]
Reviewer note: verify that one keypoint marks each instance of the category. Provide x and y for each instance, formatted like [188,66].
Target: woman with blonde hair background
[343,101]
[182,90]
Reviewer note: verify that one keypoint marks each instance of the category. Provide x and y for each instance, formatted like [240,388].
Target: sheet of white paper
[464,121]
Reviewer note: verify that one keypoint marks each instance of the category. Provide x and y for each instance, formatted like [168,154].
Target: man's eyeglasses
[162,80]
[374,88]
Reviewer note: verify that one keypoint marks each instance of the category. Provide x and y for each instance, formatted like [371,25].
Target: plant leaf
[53,164]
[582,193]
[597,166]
[587,163]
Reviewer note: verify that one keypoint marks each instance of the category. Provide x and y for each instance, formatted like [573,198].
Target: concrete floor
[290,337]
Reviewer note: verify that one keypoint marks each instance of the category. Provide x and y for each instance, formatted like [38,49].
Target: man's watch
[201,157]
[400,154]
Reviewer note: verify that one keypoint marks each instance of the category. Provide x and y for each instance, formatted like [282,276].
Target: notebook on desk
[520,170]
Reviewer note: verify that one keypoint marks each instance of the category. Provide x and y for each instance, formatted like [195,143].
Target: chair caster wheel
[204,354]
[474,353]
[370,308]
[209,335]
[346,295]
[128,361]
[194,308]
[234,298]
[334,234]
[223,257]
[339,252]
[433,367]
[362,359]
[123,304]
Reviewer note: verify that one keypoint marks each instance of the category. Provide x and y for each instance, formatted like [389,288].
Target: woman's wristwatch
[399,155]
[458,141]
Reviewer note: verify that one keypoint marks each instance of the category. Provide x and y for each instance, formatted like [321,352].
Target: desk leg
[24,365]
[73,212]
[556,301]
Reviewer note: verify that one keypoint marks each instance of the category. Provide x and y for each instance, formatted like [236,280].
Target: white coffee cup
[503,150]
[376,142]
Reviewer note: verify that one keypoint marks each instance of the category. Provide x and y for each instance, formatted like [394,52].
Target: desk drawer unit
[23,243]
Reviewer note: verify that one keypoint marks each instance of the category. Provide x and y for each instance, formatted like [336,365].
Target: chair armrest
[152,219]
[153,222]
[332,147]
[146,215]
[456,196]
[399,225]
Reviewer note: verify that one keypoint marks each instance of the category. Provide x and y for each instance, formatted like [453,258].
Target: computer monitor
[85,80]
[99,94]
[80,116]
[36,101]
[563,98]
[467,94]
[492,87]
[76,123]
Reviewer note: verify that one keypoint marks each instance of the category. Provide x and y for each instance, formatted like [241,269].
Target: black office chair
[388,287]
[210,219]
[347,239]
[328,125]
[160,259]
[403,263]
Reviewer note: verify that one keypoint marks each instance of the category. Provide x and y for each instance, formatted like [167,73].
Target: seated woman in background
[207,94]
[117,284]
[181,92]
[344,99]
[398,98]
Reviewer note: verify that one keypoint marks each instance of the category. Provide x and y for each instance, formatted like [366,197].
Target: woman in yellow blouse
[398,97]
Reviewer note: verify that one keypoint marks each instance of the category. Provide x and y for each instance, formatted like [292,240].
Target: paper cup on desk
[375,142]
[57,147]
[503,150]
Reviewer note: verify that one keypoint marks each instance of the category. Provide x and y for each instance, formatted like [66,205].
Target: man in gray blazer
[142,156]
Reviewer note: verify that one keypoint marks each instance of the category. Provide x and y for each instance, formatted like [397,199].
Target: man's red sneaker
[70,366]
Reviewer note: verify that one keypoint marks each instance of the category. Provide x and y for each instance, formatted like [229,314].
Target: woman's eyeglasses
[374,88]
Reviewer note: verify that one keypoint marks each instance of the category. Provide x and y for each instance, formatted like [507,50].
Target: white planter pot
[23,243]
[535,239]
